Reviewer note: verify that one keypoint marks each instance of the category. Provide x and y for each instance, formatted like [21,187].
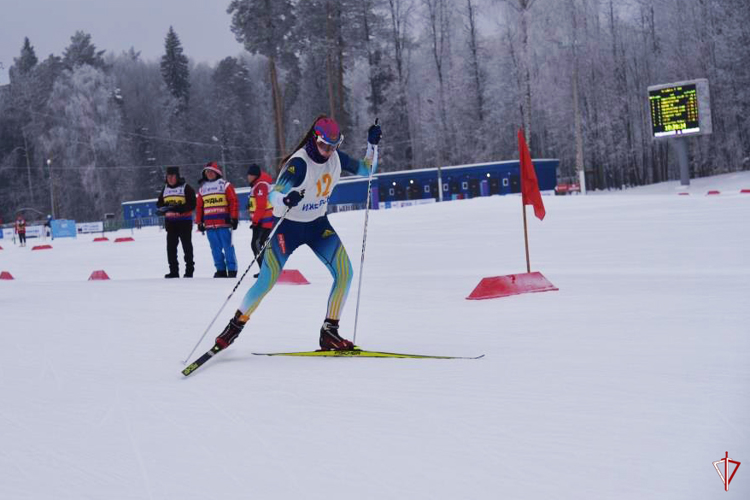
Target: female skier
[302,190]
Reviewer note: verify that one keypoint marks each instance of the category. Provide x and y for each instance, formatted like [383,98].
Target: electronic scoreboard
[680,109]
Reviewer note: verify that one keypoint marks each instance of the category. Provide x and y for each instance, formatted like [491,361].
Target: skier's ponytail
[310,132]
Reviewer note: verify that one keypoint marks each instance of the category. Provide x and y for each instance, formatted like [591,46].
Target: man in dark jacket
[177,202]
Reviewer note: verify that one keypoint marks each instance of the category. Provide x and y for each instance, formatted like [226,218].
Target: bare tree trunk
[28,166]
[525,5]
[438,31]
[343,121]
[474,49]
[370,56]
[398,20]
[278,110]
[580,168]
[329,64]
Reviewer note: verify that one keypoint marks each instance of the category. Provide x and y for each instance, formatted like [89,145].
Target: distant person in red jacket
[21,230]
[260,208]
[217,214]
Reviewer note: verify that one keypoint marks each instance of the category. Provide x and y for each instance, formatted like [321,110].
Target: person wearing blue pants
[217,213]
[301,196]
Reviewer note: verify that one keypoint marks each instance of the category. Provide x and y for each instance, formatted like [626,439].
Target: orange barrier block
[514,284]
[122,240]
[101,238]
[5,275]
[42,247]
[292,277]
[98,275]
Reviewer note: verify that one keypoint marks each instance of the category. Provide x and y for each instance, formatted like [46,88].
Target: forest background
[450,81]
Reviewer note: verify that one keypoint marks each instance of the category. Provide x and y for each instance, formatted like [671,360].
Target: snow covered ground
[731,183]
[625,384]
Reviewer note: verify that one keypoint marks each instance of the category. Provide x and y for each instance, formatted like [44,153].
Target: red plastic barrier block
[684,194]
[101,238]
[513,284]
[292,277]
[122,240]
[744,191]
[98,275]
[1,248]
[42,247]
[712,192]
[5,275]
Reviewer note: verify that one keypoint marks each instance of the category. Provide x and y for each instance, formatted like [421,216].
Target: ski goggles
[329,146]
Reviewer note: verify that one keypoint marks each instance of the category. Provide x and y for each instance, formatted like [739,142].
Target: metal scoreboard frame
[680,109]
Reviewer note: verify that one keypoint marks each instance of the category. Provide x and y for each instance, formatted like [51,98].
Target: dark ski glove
[293,198]
[201,227]
[373,134]
[234,223]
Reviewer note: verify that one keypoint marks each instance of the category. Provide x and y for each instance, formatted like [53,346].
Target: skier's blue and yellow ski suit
[307,224]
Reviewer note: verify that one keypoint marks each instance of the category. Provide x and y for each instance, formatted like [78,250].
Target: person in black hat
[177,202]
[259,208]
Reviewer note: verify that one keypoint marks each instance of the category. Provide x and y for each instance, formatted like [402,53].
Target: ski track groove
[268,449]
[134,445]
[55,455]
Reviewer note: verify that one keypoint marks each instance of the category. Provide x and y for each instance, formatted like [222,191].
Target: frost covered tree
[175,70]
[81,51]
[83,143]
[265,27]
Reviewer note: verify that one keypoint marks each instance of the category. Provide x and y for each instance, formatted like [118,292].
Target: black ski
[201,361]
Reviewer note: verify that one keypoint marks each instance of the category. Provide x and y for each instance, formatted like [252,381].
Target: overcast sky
[115,26]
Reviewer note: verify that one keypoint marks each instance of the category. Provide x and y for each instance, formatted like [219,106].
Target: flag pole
[525,234]
[523,207]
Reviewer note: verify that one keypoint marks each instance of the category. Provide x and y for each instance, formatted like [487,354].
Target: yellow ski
[359,353]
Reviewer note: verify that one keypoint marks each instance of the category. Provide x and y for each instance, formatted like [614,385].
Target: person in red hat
[259,207]
[300,195]
[217,215]
[177,202]
[21,230]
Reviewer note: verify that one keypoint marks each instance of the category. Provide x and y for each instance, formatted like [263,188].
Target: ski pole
[364,236]
[263,248]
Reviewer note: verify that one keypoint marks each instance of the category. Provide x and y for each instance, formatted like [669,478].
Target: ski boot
[330,339]
[231,332]
[172,274]
[231,274]
[220,274]
[189,272]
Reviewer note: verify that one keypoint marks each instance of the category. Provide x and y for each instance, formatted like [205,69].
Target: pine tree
[27,60]
[266,27]
[81,51]
[174,69]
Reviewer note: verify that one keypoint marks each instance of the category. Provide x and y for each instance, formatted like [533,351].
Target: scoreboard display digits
[680,109]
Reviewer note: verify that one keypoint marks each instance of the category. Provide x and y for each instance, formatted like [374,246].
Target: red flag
[529,184]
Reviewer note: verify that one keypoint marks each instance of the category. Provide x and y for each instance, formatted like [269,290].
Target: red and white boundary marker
[513,284]
[98,275]
[5,275]
[292,277]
